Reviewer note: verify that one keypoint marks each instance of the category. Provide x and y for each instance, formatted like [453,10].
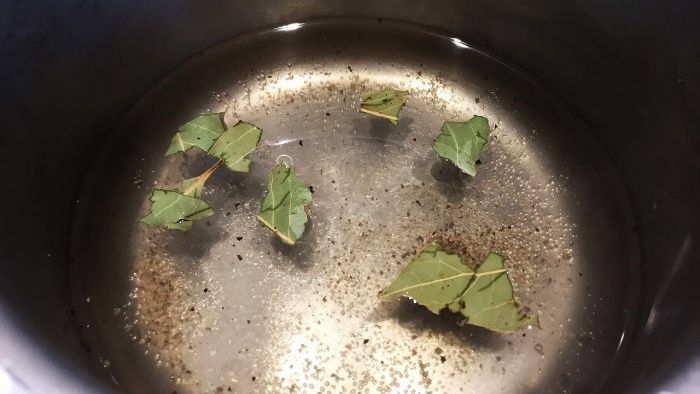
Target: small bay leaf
[463,142]
[200,132]
[439,280]
[384,104]
[235,144]
[488,301]
[195,186]
[174,210]
[283,208]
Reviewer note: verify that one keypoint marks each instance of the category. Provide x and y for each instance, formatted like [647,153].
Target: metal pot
[72,71]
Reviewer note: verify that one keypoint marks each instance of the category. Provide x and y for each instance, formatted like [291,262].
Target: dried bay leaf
[200,132]
[195,186]
[283,208]
[433,279]
[484,296]
[488,301]
[384,104]
[235,144]
[174,210]
[463,142]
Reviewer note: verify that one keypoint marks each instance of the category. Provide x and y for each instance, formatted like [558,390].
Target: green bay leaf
[174,210]
[488,301]
[439,280]
[384,104]
[235,144]
[200,132]
[283,208]
[433,279]
[463,142]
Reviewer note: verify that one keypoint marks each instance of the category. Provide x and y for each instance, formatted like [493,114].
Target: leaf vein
[432,282]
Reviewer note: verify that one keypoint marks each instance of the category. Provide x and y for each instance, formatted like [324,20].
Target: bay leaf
[462,142]
[488,301]
[200,132]
[194,187]
[433,279]
[484,296]
[283,208]
[235,144]
[384,104]
[174,210]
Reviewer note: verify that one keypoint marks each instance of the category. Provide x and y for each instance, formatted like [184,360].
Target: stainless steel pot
[71,71]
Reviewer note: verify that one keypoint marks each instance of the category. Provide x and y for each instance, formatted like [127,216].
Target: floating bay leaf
[488,301]
[433,279]
[385,104]
[200,132]
[195,186]
[174,210]
[463,142]
[439,280]
[235,144]
[283,208]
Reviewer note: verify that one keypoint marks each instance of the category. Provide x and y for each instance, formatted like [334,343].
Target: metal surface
[227,305]
[69,71]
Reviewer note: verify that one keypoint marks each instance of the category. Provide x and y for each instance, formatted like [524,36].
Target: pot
[583,95]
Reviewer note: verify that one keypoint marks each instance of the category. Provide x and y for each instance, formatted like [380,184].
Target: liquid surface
[227,307]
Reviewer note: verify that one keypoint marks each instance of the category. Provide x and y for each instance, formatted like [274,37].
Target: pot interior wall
[71,71]
[308,316]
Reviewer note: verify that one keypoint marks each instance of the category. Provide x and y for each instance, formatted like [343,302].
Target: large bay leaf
[463,142]
[200,132]
[174,210]
[283,208]
[235,144]
[433,279]
[439,280]
[385,104]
